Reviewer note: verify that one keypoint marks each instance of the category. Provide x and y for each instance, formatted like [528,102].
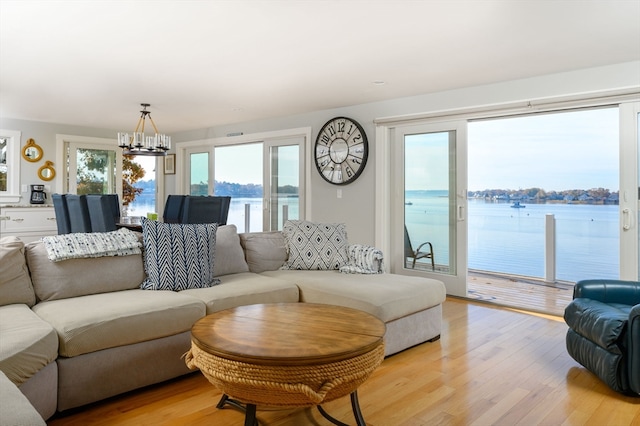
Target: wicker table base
[305,371]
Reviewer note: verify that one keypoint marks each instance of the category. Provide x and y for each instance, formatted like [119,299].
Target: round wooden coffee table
[287,355]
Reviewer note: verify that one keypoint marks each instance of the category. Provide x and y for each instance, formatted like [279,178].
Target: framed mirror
[32,151]
[47,172]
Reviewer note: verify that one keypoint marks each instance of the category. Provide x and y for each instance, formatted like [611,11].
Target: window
[523,169]
[9,166]
[93,165]
[264,175]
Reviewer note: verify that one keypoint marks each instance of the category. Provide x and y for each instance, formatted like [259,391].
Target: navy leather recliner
[604,331]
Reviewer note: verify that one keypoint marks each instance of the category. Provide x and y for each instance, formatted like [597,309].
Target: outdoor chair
[415,255]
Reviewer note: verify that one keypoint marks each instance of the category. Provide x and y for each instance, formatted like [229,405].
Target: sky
[555,151]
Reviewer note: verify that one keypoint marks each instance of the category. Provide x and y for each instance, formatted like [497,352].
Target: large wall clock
[341,150]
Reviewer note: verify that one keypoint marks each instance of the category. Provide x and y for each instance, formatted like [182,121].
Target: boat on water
[517,205]
[408,203]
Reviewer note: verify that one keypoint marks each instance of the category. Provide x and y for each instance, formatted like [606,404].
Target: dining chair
[79,219]
[62,213]
[206,209]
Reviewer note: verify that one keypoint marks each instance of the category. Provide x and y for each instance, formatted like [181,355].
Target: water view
[501,238]
[145,204]
[511,240]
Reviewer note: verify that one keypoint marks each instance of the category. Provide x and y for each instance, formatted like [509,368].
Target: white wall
[356,207]
[44,135]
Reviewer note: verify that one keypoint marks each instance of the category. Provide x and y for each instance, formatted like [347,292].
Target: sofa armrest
[634,349]
[608,291]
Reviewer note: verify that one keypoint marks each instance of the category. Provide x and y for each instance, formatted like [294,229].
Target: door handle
[626,219]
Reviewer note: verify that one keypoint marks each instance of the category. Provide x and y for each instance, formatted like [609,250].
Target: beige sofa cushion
[27,343]
[229,254]
[90,323]
[387,296]
[15,284]
[244,289]
[264,251]
[80,277]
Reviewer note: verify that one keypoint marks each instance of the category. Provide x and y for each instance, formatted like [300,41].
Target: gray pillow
[315,246]
[15,284]
[80,277]
[229,253]
[264,251]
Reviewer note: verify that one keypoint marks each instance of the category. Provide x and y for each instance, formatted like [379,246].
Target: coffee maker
[37,194]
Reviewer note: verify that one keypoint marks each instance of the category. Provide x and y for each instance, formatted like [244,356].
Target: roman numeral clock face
[341,151]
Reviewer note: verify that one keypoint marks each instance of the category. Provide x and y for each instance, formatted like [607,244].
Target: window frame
[14,145]
[63,142]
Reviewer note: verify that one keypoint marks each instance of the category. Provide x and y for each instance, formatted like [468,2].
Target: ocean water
[500,238]
[511,241]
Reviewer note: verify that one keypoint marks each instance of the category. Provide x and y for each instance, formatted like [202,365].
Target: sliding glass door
[430,203]
[555,202]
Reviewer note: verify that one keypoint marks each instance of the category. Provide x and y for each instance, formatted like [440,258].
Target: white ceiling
[206,63]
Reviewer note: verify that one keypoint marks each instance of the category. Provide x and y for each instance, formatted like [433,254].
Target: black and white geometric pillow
[315,246]
[178,256]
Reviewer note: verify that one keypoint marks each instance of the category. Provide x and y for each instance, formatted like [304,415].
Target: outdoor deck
[514,291]
[519,292]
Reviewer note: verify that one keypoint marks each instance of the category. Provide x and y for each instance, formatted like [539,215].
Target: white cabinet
[29,223]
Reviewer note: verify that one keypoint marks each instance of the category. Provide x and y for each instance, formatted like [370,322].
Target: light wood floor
[492,366]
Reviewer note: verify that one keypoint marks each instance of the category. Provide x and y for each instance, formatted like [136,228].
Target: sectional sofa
[80,330]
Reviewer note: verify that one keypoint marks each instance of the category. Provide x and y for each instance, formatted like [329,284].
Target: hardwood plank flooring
[492,366]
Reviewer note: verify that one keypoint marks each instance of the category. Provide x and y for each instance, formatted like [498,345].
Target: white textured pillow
[317,246]
[363,259]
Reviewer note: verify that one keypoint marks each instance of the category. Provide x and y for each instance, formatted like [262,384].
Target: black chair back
[206,209]
[104,212]
[173,209]
[79,219]
[62,213]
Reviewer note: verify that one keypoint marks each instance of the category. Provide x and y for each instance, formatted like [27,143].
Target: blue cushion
[178,256]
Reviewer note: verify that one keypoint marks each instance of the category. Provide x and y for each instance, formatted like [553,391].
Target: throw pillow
[229,253]
[318,246]
[265,251]
[178,256]
[15,284]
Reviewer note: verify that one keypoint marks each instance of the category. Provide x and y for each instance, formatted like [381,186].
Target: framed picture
[170,164]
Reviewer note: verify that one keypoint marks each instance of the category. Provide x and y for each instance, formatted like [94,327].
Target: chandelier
[139,144]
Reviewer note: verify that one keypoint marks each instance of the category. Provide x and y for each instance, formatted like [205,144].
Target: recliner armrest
[609,291]
[598,322]
[634,349]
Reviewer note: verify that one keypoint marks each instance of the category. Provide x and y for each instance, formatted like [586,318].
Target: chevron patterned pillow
[178,256]
[318,246]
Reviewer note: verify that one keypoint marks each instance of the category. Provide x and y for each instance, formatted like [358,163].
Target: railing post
[550,248]
[285,214]
[247,217]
